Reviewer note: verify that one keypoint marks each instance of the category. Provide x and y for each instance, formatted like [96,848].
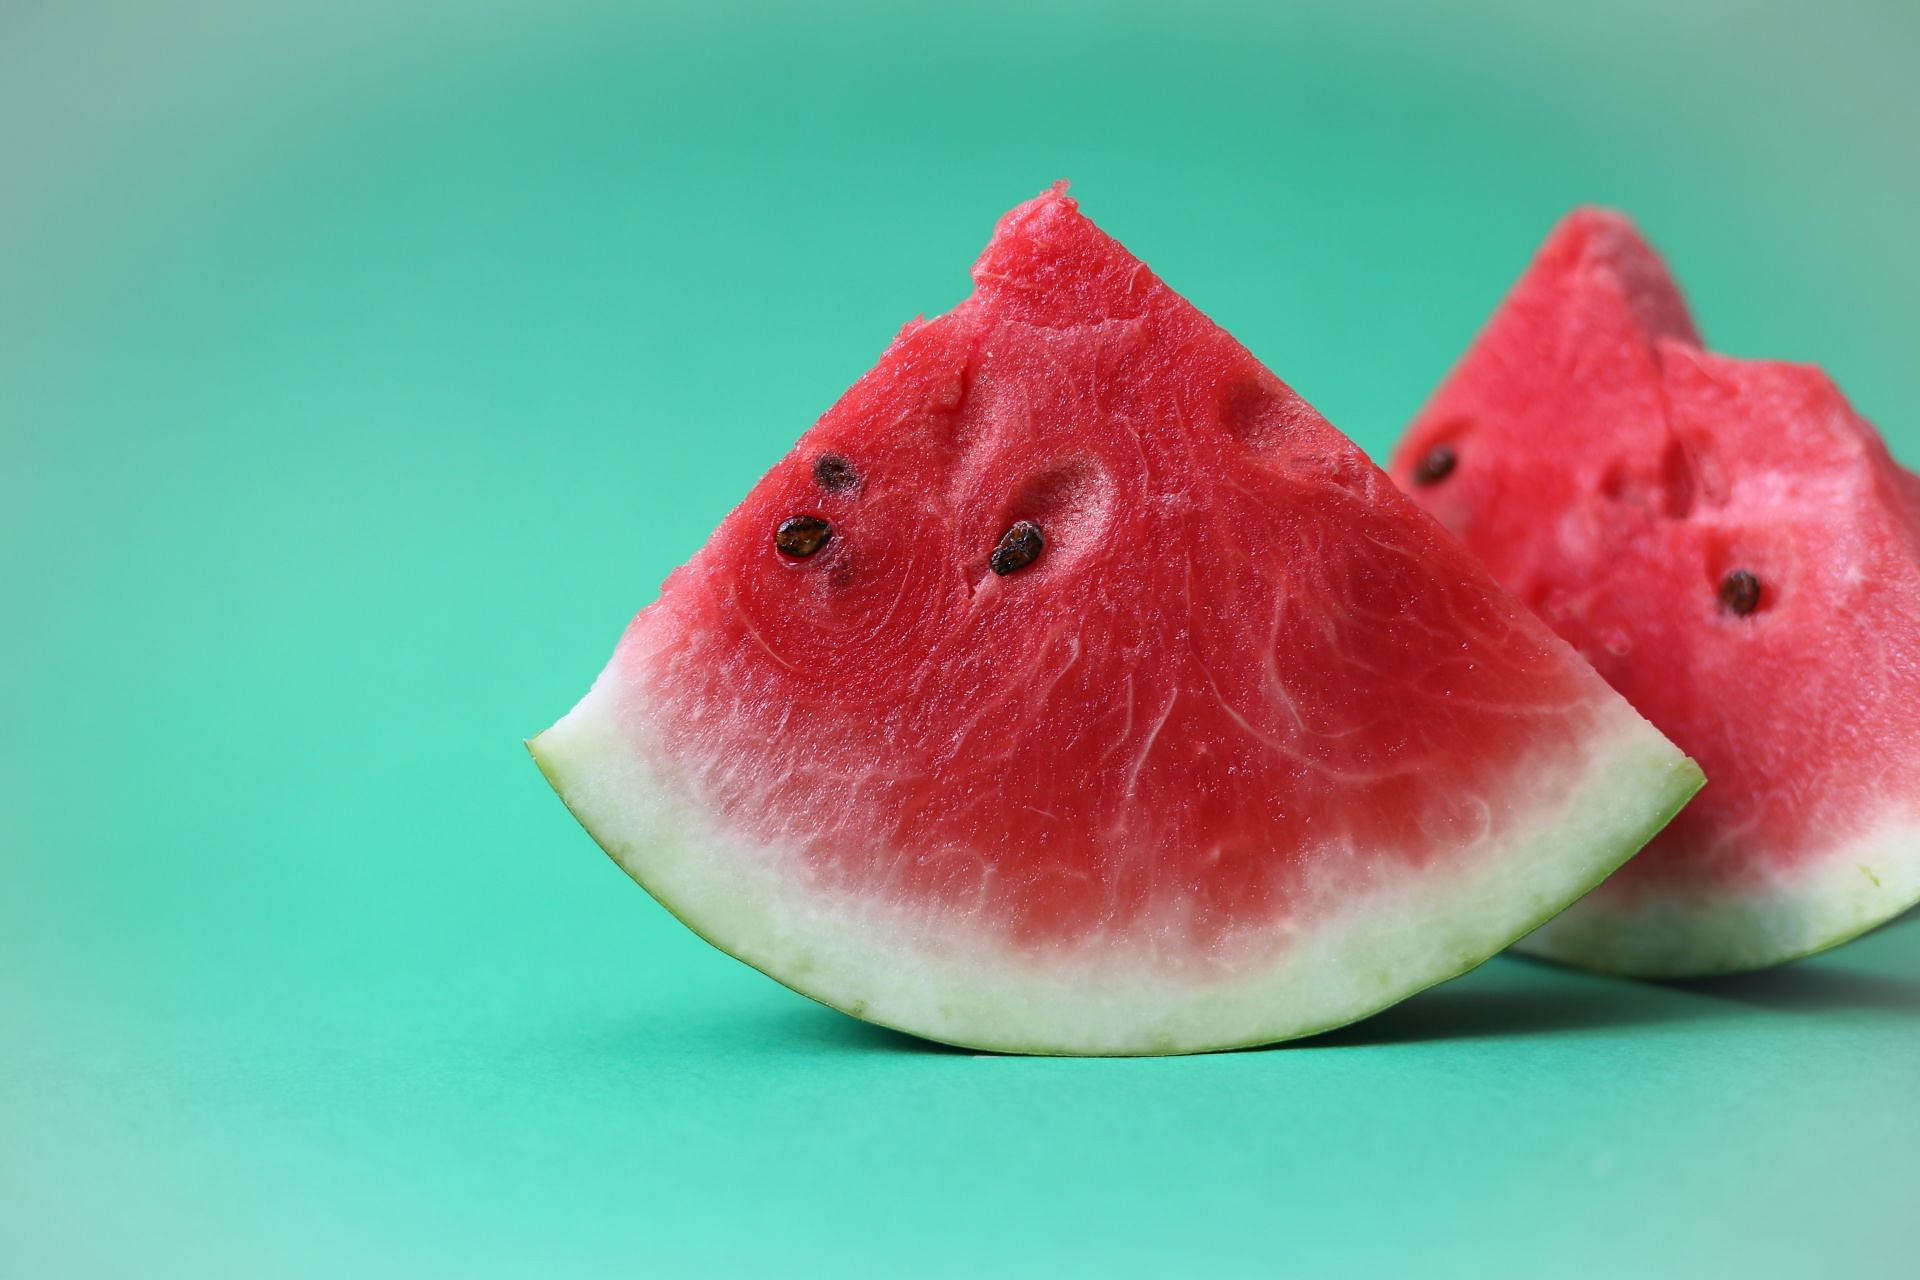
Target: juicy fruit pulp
[1733,549]
[1117,703]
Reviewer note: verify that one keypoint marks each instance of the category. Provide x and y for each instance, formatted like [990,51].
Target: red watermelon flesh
[1074,687]
[1733,548]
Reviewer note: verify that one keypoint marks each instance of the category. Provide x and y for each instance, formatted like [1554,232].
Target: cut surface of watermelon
[1733,548]
[1074,687]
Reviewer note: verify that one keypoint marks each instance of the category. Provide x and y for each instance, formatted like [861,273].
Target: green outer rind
[1851,889]
[1659,777]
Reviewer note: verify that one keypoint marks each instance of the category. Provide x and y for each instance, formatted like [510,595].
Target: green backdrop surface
[363,367]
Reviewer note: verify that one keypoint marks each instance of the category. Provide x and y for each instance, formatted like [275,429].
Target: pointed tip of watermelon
[1599,249]
[1592,234]
[1049,264]
[1597,222]
[1595,307]
[1034,221]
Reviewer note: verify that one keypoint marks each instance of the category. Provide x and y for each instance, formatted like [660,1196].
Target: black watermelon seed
[1740,593]
[1019,547]
[801,536]
[834,473]
[1436,466]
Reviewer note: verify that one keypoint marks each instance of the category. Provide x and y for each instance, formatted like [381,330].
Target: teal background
[363,367]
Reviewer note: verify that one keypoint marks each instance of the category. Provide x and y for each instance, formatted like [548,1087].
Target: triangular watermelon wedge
[1073,687]
[1736,552]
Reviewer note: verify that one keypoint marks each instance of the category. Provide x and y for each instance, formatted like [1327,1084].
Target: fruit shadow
[1806,988]
[1551,1002]
[1556,1000]
[828,1028]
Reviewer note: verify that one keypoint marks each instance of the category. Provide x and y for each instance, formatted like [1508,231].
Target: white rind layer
[1829,899]
[1372,945]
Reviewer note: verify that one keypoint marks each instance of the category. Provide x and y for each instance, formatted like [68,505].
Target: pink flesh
[1611,473]
[1243,661]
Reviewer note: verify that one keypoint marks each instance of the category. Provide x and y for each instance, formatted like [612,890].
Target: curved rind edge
[1850,890]
[1420,929]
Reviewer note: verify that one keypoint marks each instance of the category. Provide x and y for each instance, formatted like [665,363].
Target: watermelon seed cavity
[1740,593]
[1019,547]
[801,536]
[1436,466]
[834,473]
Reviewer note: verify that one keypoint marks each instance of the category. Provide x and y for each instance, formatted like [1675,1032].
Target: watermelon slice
[1734,550]
[1073,687]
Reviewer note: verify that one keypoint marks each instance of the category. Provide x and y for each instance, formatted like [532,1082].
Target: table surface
[362,367]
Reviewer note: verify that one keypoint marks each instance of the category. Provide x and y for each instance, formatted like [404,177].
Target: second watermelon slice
[1735,550]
